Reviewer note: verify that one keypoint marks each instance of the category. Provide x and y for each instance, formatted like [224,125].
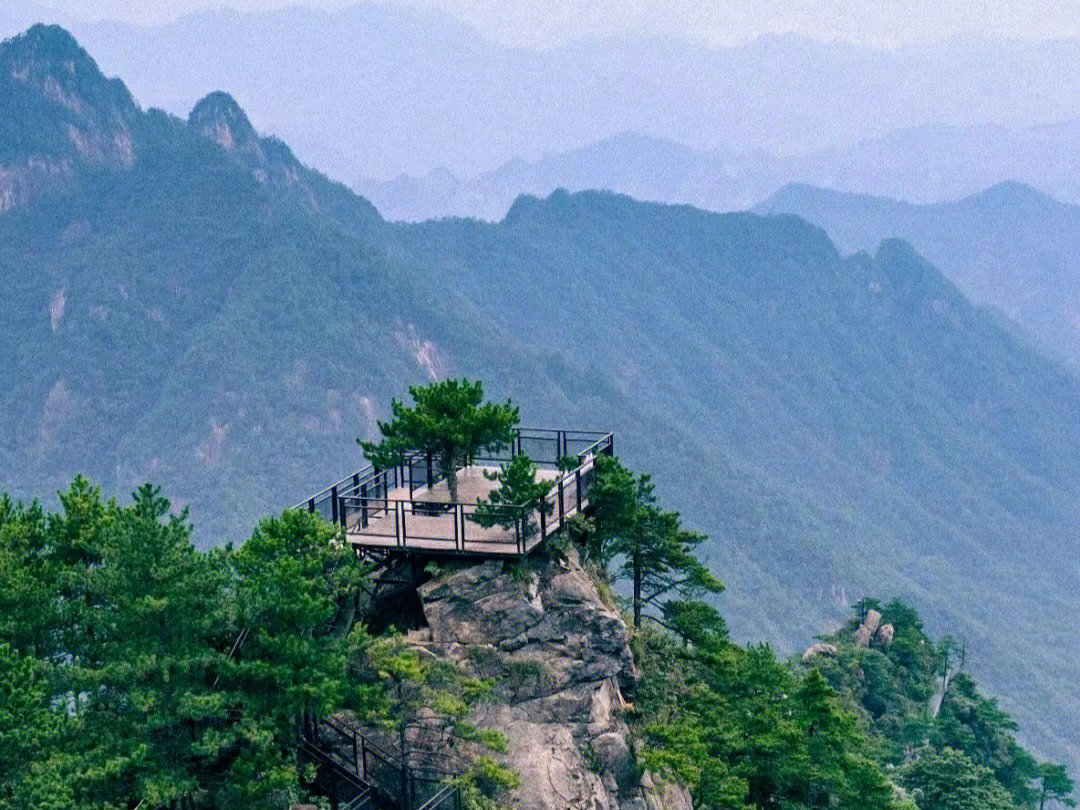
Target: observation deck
[408,508]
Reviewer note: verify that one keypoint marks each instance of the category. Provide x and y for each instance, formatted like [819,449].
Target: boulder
[659,795]
[885,635]
[820,648]
[872,620]
[862,636]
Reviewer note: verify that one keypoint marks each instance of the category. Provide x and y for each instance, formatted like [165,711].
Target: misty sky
[882,23]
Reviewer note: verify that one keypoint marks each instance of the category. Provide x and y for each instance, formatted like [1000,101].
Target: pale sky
[882,23]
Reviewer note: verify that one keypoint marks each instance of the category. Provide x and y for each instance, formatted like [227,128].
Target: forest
[138,670]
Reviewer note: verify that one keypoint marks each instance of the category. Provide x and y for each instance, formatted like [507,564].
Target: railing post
[406,804]
[543,520]
[429,472]
[519,533]
[399,509]
[562,506]
[333,505]
[363,506]
[355,752]
[577,482]
[459,509]
[311,505]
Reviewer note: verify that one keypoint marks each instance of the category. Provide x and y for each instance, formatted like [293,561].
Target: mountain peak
[1012,193]
[49,59]
[218,117]
[45,43]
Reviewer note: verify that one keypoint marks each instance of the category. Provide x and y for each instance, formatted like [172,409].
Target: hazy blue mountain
[208,313]
[1009,247]
[928,163]
[642,167]
[936,162]
[377,90]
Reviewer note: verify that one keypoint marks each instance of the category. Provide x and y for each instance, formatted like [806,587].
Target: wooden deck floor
[406,523]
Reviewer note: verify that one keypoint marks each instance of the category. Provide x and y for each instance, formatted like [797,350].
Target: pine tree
[518,486]
[657,554]
[450,420]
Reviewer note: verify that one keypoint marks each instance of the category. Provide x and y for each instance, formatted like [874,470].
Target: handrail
[436,801]
[341,769]
[351,483]
[356,773]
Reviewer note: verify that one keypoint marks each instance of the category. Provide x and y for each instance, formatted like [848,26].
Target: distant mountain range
[186,302]
[933,162]
[382,89]
[642,167]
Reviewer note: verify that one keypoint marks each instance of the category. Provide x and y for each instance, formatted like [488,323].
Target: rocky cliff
[559,655]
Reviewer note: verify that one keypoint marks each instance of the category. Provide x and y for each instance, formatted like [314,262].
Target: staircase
[373,778]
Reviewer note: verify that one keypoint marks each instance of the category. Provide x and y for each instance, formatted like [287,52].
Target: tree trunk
[449,470]
[637,588]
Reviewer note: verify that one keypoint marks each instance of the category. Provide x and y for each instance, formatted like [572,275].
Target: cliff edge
[558,654]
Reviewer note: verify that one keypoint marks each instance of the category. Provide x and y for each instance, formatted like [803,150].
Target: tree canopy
[518,486]
[121,676]
[135,668]
[448,419]
[651,548]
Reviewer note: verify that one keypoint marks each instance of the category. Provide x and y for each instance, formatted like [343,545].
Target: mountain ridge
[353,129]
[1008,247]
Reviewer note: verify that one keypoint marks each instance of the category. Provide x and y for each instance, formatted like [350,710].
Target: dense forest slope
[1009,247]
[185,302]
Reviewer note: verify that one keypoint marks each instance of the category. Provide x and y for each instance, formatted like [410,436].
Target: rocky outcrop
[872,629]
[821,648]
[60,114]
[218,118]
[560,659]
[885,635]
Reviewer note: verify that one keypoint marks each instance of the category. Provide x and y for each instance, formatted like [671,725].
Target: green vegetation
[889,720]
[742,728]
[134,668]
[423,697]
[951,746]
[128,639]
[450,421]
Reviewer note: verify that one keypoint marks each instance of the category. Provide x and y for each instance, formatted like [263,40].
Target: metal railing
[363,503]
[374,771]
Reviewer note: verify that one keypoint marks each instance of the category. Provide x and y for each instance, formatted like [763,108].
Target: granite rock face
[559,656]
